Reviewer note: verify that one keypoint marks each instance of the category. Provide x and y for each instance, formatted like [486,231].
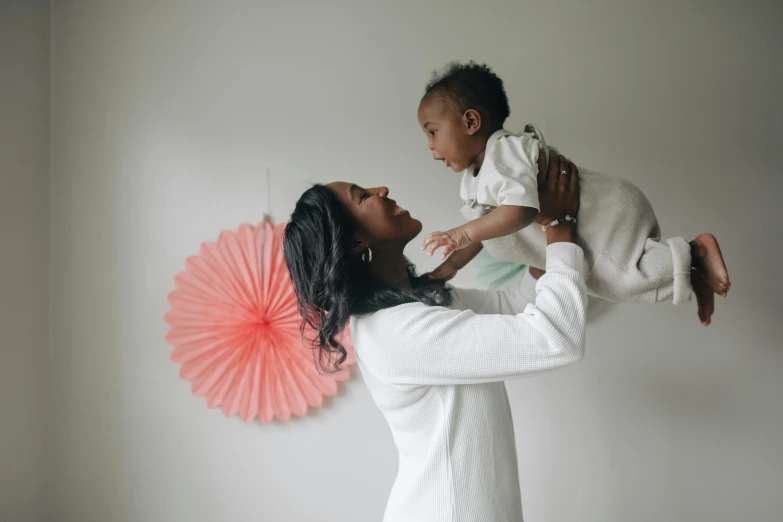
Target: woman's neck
[390,267]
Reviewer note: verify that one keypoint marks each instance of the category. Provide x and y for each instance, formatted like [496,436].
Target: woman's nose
[383,191]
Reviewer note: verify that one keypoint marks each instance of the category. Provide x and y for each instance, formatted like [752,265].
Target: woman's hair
[330,282]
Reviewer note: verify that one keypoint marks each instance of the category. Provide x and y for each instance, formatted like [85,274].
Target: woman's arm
[419,345]
[511,300]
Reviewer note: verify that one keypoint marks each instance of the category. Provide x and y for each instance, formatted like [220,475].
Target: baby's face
[447,133]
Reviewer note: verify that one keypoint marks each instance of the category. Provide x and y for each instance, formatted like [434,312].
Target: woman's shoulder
[394,316]
[402,321]
[372,333]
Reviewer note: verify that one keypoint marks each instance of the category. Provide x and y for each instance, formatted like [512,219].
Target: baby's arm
[503,220]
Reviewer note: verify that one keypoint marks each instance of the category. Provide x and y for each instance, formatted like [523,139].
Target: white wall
[164,117]
[24,256]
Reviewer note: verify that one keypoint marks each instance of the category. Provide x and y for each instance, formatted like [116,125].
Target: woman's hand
[558,195]
[446,271]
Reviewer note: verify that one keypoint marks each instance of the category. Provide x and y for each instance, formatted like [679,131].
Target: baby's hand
[454,239]
[446,271]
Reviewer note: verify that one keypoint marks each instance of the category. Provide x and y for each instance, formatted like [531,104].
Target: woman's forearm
[488,347]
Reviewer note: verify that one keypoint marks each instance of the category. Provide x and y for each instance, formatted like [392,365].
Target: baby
[462,112]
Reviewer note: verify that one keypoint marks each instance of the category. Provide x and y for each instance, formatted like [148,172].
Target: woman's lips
[398,210]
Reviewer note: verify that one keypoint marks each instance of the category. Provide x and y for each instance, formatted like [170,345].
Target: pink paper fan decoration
[235,329]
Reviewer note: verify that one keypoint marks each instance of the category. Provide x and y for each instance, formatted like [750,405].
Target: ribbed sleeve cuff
[565,256]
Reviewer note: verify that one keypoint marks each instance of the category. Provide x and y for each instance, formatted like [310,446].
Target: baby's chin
[456,167]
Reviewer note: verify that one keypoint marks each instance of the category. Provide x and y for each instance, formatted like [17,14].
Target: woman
[435,358]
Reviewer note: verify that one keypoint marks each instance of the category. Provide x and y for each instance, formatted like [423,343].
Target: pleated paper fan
[235,330]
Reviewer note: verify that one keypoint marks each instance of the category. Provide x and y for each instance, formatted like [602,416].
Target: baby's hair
[472,85]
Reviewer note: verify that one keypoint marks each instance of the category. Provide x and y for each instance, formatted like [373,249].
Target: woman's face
[380,221]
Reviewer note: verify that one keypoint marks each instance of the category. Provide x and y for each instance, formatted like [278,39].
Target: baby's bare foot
[705,297]
[706,256]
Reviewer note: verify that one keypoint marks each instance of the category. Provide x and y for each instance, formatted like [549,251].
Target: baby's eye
[432,132]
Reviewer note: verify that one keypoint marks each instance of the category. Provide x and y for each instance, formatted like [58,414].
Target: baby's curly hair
[472,85]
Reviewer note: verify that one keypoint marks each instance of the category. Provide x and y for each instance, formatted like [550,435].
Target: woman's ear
[356,246]
[471,121]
